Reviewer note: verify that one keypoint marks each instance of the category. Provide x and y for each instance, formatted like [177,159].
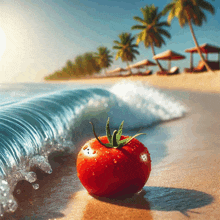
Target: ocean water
[37,119]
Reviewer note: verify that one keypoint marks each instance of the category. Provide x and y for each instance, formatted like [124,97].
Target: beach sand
[203,82]
[183,185]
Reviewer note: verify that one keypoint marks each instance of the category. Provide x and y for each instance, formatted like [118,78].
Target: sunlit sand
[204,82]
[191,168]
[183,185]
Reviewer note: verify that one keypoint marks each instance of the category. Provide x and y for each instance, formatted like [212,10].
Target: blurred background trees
[84,65]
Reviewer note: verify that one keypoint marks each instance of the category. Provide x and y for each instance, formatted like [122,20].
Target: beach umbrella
[142,64]
[169,55]
[117,70]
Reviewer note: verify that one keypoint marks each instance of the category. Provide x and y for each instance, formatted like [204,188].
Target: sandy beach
[203,82]
[183,185]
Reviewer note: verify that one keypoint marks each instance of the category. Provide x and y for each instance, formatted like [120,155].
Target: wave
[32,128]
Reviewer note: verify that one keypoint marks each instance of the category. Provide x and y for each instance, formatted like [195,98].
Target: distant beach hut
[206,49]
[169,55]
[115,71]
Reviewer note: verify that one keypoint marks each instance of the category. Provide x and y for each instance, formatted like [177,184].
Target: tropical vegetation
[104,58]
[152,34]
[84,65]
[190,12]
[152,31]
[126,48]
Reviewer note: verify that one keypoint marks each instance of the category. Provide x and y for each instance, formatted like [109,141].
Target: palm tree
[189,12]
[90,64]
[104,58]
[151,29]
[126,48]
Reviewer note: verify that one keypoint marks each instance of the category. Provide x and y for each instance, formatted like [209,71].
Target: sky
[37,37]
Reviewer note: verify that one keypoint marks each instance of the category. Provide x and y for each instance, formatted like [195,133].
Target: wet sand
[184,184]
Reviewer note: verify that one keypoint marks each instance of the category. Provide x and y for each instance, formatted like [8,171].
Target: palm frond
[168,8]
[138,27]
[207,6]
[164,32]
[117,47]
[126,47]
[116,42]
[136,18]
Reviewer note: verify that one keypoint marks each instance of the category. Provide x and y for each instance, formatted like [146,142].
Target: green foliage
[188,10]
[126,48]
[114,139]
[84,65]
[151,29]
[104,58]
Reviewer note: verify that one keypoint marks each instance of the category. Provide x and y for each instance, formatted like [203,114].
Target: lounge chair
[147,73]
[200,68]
[174,70]
[162,73]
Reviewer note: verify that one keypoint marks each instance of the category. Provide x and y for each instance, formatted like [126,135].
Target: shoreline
[202,82]
[185,184]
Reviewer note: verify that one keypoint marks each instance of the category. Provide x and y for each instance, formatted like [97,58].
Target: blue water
[38,119]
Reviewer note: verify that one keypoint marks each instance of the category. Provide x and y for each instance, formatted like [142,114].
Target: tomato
[113,171]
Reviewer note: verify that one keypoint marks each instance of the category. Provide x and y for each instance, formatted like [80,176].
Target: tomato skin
[112,172]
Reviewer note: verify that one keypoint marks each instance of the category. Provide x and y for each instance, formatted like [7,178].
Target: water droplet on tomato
[143,157]
[93,173]
[115,161]
[106,152]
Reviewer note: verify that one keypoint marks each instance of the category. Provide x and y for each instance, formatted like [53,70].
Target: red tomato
[113,172]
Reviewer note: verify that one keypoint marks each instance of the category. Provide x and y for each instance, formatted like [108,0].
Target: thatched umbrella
[169,55]
[117,70]
[142,64]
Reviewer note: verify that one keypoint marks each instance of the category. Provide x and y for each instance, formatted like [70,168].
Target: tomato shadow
[164,199]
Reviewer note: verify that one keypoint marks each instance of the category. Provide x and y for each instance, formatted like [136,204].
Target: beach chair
[162,73]
[147,73]
[174,70]
[199,68]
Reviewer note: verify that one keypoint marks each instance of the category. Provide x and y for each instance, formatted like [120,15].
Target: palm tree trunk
[198,48]
[158,64]
[129,69]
